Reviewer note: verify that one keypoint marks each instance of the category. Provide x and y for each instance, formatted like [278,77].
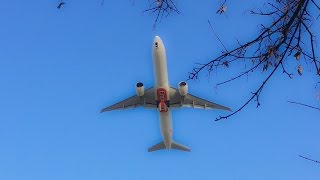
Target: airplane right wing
[176,100]
[147,100]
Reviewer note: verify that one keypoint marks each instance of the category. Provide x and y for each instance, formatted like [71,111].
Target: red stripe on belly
[162,98]
[162,94]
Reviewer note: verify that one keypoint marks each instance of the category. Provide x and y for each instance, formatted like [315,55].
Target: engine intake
[139,89]
[183,88]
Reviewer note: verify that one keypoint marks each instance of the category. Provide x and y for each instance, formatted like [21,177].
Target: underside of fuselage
[162,96]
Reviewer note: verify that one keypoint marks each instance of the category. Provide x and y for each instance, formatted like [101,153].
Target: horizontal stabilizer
[174,145]
[157,147]
[179,147]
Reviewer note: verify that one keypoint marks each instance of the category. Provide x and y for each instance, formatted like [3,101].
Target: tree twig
[309,159]
[292,102]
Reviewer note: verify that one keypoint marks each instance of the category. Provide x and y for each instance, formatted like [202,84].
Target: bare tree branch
[304,105]
[283,38]
[161,8]
[309,159]
[217,36]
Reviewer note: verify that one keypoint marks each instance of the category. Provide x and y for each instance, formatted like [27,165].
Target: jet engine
[139,89]
[183,88]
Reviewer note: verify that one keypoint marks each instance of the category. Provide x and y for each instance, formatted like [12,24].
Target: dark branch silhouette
[161,8]
[61,4]
[223,8]
[217,36]
[304,105]
[309,159]
[285,37]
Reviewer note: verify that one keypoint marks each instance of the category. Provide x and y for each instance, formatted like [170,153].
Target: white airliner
[164,98]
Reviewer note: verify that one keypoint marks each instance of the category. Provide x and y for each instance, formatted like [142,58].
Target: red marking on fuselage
[162,98]
[162,94]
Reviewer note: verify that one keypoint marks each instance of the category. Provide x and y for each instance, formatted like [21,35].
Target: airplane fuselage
[162,90]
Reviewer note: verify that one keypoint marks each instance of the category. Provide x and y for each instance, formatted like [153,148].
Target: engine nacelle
[139,89]
[183,88]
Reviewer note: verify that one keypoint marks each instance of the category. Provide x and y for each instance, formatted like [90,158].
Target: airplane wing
[176,100]
[147,100]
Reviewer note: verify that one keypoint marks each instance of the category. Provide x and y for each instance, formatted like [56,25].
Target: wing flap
[196,102]
[131,102]
[176,100]
[147,100]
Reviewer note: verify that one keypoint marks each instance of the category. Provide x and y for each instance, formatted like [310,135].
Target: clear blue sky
[58,68]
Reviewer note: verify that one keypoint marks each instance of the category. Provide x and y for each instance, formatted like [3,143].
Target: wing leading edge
[176,100]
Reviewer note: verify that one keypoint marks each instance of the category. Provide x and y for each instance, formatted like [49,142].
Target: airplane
[163,97]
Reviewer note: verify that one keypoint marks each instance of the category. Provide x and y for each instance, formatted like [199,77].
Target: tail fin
[174,145]
[179,147]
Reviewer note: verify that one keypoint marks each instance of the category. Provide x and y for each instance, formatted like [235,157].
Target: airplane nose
[157,38]
[157,42]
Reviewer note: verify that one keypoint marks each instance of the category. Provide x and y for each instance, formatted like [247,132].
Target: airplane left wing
[176,100]
[147,100]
